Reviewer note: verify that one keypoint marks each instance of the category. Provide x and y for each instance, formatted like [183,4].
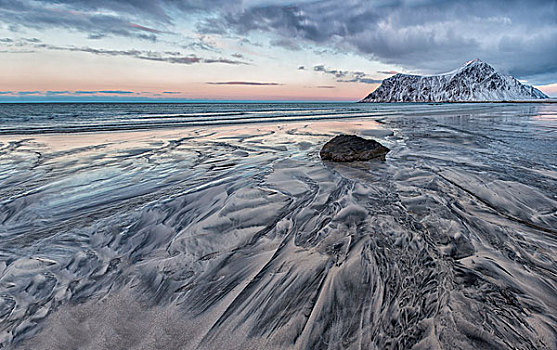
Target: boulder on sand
[350,148]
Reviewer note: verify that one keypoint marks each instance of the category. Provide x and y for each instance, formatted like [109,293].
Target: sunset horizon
[259,50]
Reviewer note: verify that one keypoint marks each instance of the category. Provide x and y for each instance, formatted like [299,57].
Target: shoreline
[465,102]
[241,235]
[550,100]
[194,115]
[170,125]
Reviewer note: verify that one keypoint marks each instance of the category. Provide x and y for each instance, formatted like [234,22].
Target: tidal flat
[221,228]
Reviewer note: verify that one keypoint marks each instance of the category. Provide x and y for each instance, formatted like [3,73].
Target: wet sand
[240,237]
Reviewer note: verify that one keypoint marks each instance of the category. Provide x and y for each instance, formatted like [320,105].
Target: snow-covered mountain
[475,81]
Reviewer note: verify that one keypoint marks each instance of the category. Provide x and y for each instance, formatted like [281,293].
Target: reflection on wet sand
[241,237]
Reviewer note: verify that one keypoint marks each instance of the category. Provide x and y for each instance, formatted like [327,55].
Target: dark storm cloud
[344,76]
[286,43]
[427,36]
[518,37]
[141,19]
[78,16]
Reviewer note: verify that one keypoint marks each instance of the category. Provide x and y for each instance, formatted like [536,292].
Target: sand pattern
[240,237]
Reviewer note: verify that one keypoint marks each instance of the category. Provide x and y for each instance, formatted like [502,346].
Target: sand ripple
[242,238]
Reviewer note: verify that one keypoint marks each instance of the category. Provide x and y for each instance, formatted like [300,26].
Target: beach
[212,227]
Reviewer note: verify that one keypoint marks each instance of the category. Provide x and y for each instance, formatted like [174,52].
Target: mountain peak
[473,62]
[476,64]
[474,81]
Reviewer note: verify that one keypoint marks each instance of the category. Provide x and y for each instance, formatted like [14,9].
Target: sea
[218,226]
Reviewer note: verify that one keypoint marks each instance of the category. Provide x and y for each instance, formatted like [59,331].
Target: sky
[317,50]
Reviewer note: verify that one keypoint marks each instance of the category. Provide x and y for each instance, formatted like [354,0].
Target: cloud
[90,17]
[96,36]
[112,92]
[146,29]
[287,44]
[31,40]
[336,73]
[201,44]
[427,36]
[326,87]
[72,93]
[213,26]
[65,92]
[171,92]
[344,76]
[388,72]
[242,83]
[221,60]
[364,81]
[422,36]
[18,42]
[174,57]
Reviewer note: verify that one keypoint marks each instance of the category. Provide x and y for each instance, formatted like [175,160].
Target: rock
[350,148]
